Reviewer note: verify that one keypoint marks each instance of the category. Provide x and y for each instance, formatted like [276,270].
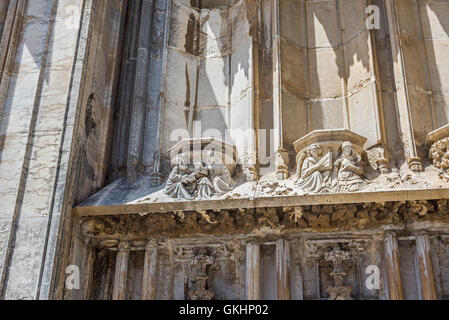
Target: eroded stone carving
[338,291]
[439,154]
[349,169]
[282,165]
[317,170]
[182,182]
[438,141]
[316,218]
[210,176]
[200,290]
[215,177]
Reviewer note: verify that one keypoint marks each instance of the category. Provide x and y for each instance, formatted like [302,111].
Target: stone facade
[224,149]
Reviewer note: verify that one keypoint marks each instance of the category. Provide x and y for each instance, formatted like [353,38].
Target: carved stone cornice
[330,218]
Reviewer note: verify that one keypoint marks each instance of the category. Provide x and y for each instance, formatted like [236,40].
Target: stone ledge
[272,202]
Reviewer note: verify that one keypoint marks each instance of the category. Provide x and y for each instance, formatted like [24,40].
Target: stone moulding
[438,141]
[322,136]
[291,201]
[325,218]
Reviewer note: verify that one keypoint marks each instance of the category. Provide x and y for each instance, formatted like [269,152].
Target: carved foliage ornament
[199,266]
[338,291]
[438,141]
[338,256]
[439,154]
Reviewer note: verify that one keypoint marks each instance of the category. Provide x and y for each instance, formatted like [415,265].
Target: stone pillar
[282,159]
[121,271]
[402,96]
[428,287]
[125,97]
[139,107]
[283,269]
[393,271]
[149,281]
[89,273]
[156,91]
[107,292]
[253,272]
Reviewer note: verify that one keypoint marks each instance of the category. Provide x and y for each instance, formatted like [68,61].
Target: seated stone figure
[349,170]
[214,178]
[315,170]
[219,174]
[205,186]
[182,182]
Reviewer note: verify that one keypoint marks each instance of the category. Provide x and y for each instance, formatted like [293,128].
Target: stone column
[149,281]
[393,271]
[121,271]
[90,260]
[139,107]
[402,96]
[253,272]
[152,146]
[281,154]
[107,291]
[283,269]
[428,287]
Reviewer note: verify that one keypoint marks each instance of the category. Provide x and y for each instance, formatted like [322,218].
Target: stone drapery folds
[201,175]
[338,169]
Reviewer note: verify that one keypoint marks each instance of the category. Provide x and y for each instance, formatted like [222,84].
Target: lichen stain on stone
[188,98]
[2,141]
[90,122]
[191,36]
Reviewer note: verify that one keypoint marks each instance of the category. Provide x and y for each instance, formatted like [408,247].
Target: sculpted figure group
[201,181]
[318,173]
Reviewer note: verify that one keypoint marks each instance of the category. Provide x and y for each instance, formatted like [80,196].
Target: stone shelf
[286,201]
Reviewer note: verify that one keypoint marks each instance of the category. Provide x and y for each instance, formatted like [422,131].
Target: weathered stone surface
[94,94]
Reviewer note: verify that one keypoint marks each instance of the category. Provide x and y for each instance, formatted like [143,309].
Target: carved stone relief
[337,259]
[315,170]
[439,154]
[439,150]
[202,174]
[338,291]
[199,266]
[331,161]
